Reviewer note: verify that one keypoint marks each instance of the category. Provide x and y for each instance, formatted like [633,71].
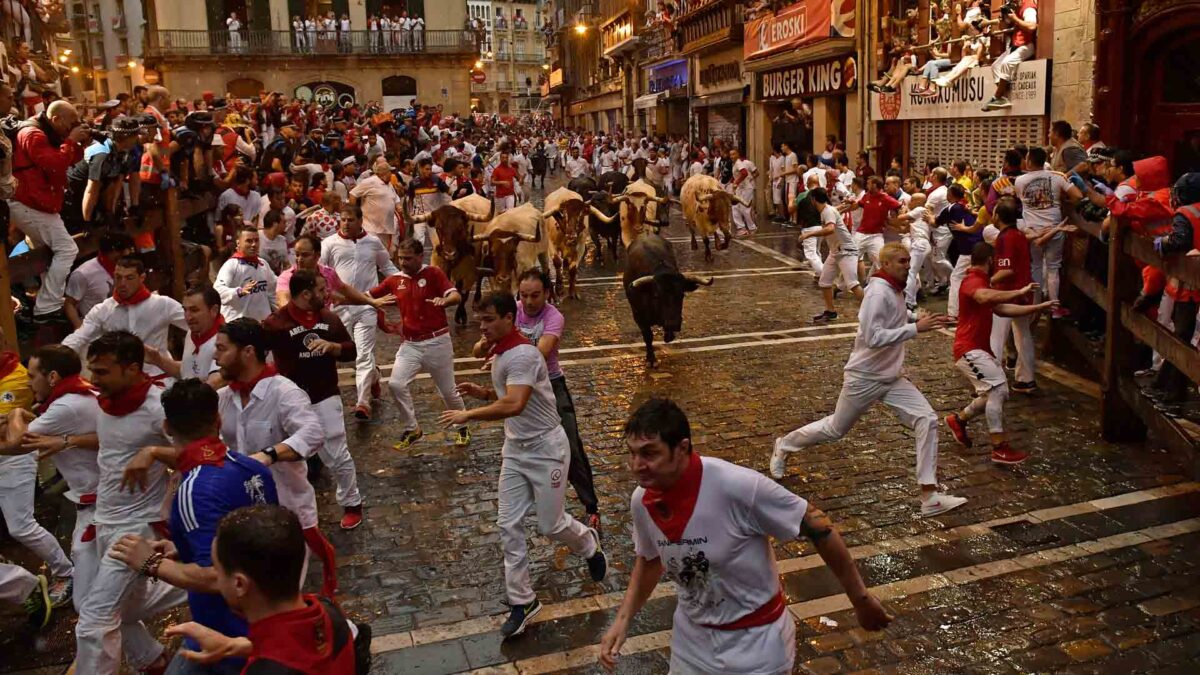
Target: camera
[1092,212]
[1009,8]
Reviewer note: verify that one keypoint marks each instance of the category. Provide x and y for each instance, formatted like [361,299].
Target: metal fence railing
[165,43]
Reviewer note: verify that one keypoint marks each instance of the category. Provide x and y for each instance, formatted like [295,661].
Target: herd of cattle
[470,242]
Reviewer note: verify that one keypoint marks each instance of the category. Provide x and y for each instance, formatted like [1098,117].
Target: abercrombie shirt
[291,343]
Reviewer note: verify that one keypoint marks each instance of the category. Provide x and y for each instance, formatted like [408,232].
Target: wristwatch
[271,452]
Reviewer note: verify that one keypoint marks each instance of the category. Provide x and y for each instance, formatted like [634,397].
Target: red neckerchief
[249,260]
[138,298]
[304,317]
[129,400]
[208,451]
[361,234]
[247,387]
[74,384]
[107,263]
[513,339]
[8,363]
[199,340]
[672,509]
[898,286]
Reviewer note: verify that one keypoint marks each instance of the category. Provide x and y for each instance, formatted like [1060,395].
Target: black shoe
[362,649]
[1024,387]
[825,317]
[598,563]
[314,468]
[518,618]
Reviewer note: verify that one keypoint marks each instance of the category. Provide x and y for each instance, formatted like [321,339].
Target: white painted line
[767,235]
[769,252]
[713,274]
[578,606]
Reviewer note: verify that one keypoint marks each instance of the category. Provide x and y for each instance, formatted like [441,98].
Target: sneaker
[825,317]
[362,413]
[1024,387]
[352,517]
[462,438]
[593,522]
[778,461]
[60,591]
[1060,313]
[875,87]
[990,105]
[408,438]
[518,618]
[597,564]
[887,89]
[38,605]
[1004,454]
[1146,372]
[959,429]
[937,503]
[1000,103]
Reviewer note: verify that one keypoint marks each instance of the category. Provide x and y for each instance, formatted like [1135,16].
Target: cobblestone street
[1083,559]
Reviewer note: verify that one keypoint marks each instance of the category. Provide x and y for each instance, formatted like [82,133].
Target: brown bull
[454,250]
[639,206]
[707,209]
[514,244]
[566,218]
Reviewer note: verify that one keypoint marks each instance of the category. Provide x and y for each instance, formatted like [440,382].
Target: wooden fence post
[8,322]
[172,230]
[1119,421]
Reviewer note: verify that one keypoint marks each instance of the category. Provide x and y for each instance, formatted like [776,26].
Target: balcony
[282,43]
[660,45]
[707,24]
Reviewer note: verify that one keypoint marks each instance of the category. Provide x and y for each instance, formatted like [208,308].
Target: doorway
[1168,100]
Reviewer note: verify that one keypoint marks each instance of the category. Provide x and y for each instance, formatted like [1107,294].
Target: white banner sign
[966,96]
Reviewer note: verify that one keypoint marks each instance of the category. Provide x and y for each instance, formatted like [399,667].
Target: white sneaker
[937,503]
[778,461]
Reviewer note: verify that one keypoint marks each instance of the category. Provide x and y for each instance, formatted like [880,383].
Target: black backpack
[11,125]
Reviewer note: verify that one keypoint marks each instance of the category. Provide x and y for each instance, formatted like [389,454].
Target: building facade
[512,56]
[191,49]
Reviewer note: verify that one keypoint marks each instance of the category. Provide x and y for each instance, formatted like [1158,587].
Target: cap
[146,120]
[109,104]
[123,125]
[350,160]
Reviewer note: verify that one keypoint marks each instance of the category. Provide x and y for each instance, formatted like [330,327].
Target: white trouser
[420,232]
[956,278]
[1023,336]
[505,203]
[113,611]
[769,649]
[812,250]
[47,229]
[17,483]
[360,322]
[857,395]
[869,246]
[986,375]
[743,214]
[918,251]
[85,555]
[334,453]
[533,474]
[434,356]
[1166,307]
[1047,264]
[16,583]
[836,264]
[941,247]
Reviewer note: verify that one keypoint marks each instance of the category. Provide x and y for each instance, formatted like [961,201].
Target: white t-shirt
[274,251]
[818,171]
[789,165]
[776,167]
[696,168]
[724,568]
[198,362]
[918,228]
[1041,195]
[259,302]
[121,438]
[841,241]
[75,415]
[89,285]
[149,320]
[250,204]
[524,365]
[576,167]
[937,201]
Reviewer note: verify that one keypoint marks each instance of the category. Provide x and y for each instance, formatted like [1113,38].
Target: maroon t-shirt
[974,330]
[1012,253]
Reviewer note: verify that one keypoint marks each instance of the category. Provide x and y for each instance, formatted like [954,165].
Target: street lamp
[479,64]
[580,29]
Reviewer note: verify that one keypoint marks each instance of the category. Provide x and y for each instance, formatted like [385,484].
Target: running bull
[707,209]
[567,216]
[454,250]
[514,244]
[655,288]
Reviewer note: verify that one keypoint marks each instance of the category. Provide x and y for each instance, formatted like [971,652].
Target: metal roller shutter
[981,140]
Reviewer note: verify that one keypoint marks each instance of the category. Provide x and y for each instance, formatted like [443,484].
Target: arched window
[244,87]
[399,85]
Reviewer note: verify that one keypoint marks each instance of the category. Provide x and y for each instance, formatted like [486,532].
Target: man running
[842,260]
[202,311]
[874,373]
[708,525]
[535,456]
[245,282]
[973,355]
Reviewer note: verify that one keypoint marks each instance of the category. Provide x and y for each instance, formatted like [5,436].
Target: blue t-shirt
[205,495]
[962,242]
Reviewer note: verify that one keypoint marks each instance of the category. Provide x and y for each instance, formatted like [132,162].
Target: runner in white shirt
[575,165]
[791,178]
[202,311]
[608,159]
[360,261]
[129,500]
[1042,194]
[132,308]
[266,417]
[273,244]
[744,173]
[706,525]
[240,193]
[874,372]
[815,169]
[843,254]
[534,460]
[778,190]
[918,242]
[92,282]
[937,200]
[245,282]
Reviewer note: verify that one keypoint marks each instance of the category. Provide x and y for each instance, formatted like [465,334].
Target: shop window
[1181,74]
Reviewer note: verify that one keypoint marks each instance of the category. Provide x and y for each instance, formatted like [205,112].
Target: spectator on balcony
[310,27]
[344,33]
[298,31]
[373,33]
[419,34]
[235,32]
[45,148]
[1021,40]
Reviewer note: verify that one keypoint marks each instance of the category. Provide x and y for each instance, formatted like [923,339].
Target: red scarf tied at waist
[246,387]
[320,546]
[137,298]
[207,451]
[131,399]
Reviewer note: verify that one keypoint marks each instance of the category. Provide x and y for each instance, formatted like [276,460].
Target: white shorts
[983,370]
[842,263]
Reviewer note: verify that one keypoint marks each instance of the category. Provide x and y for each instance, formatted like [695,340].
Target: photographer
[1020,17]
[95,181]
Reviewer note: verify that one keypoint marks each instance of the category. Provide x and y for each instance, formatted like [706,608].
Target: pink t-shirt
[332,283]
[547,322]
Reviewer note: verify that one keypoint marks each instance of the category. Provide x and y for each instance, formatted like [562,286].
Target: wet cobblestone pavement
[1081,560]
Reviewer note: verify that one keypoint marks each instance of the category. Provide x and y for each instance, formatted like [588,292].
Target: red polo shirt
[875,211]
[507,173]
[974,329]
[419,316]
[1012,253]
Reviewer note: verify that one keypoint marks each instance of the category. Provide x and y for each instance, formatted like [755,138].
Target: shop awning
[734,97]
[647,101]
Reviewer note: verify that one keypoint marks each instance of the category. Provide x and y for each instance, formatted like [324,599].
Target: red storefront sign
[792,26]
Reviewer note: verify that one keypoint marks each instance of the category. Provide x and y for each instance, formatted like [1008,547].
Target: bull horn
[552,211]
[675,201]
[477,219]
[537,234]
[420,217]
[642,281]
[600,215]
[483,236]
[485,271]
[660,200]
[694,278]
[620,198]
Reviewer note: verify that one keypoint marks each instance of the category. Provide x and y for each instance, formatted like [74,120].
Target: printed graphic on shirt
[1039,193]
[693,574]
[255,490]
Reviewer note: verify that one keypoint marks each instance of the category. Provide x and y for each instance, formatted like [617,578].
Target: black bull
[599,194]
[655,288]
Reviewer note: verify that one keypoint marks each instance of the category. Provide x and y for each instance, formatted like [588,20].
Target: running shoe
[825,317]
[937,503]
[60,591]
[597,564]
[778,460]
[38,605]
[519,617]
[1060,313]
[1004,454]
[1000,103]
[462,438]
[408,438]
[959,429]
[362,413]
[1146,372]
[352,517]
[1024,387]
